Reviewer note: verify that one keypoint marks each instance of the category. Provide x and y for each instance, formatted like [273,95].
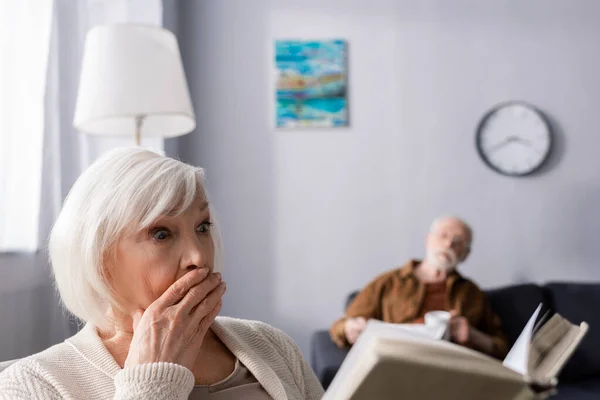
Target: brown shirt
[398,297]
[241,384]
[433,300]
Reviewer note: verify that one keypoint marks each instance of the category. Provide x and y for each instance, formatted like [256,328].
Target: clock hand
[526,142]
[523,141]
[500,145]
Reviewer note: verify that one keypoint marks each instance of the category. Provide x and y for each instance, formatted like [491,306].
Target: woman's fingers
[207,306]
[178,290]
[196,295]
[206,322]
[202,327]
[173,327]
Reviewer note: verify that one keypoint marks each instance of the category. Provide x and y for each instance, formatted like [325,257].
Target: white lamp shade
[131,71]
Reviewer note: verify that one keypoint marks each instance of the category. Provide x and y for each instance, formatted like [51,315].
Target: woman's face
[148,262]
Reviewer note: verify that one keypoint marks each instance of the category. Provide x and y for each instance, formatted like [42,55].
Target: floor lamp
[133,84]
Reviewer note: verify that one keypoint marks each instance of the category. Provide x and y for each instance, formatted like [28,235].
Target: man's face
[448,244]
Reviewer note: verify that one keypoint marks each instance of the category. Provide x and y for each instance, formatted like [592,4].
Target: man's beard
[442,259]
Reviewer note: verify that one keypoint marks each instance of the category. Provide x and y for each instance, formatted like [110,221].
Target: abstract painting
[311,84]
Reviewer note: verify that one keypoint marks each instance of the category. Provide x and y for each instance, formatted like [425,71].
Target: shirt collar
[408,271]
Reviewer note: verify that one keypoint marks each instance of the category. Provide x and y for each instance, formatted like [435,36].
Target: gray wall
[31,319]
[310,215]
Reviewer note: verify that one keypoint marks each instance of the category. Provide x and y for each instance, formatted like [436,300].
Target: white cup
[438,319]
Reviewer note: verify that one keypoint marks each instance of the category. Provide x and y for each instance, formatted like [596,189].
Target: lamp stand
[139,121]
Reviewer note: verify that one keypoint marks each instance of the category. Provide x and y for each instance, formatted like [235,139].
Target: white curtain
[31,317]
[40,158]
[67,152]
[24,46]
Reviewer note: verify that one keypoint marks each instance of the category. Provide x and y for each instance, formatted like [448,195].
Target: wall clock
[514,139]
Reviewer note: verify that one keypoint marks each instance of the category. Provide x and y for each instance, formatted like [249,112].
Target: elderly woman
[136,255]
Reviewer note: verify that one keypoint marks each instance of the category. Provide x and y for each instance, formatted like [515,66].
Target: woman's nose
[193,256]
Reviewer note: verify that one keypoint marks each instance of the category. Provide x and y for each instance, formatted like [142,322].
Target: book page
[547,338]
[552,347]
[424,371]
[412,368]
[517,358]
[380,329]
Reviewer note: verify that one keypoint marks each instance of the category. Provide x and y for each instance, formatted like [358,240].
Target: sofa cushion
[326,357]
[576,302]
[583,390]
[515,305]
[349,299]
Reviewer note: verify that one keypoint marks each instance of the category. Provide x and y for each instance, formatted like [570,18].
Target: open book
[391,361]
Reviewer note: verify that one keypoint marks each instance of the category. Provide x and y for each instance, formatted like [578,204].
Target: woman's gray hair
[125,190]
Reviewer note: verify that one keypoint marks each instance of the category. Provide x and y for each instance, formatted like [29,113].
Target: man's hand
[459,328]
[353,327]
[461,332]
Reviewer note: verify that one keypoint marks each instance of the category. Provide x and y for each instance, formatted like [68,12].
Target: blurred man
[406,294]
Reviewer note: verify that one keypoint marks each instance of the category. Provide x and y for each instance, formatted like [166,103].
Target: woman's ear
[107,264]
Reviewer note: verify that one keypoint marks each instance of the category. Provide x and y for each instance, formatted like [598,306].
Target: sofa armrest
[326,357]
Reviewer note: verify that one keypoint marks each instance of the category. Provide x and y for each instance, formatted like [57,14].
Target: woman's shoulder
[56,355]
[251,331]
[251,327]
[37,372]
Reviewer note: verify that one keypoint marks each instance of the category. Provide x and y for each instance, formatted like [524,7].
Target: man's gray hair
[467,227]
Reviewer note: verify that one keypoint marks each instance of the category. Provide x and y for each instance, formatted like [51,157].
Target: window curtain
[53,154]
[25,27]
[68,152]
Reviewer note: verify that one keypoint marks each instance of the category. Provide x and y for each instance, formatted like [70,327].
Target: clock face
[514,139]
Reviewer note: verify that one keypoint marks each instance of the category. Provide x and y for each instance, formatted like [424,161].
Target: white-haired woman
[136,255]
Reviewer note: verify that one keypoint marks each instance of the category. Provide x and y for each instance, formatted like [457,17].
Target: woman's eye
[160,234]
[204,227]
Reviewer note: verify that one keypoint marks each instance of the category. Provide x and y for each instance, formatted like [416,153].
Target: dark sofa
[579,380]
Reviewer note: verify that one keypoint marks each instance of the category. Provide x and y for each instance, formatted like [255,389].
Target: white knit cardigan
[82,368]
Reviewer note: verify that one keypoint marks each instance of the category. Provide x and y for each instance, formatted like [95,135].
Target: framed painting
[311,89]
